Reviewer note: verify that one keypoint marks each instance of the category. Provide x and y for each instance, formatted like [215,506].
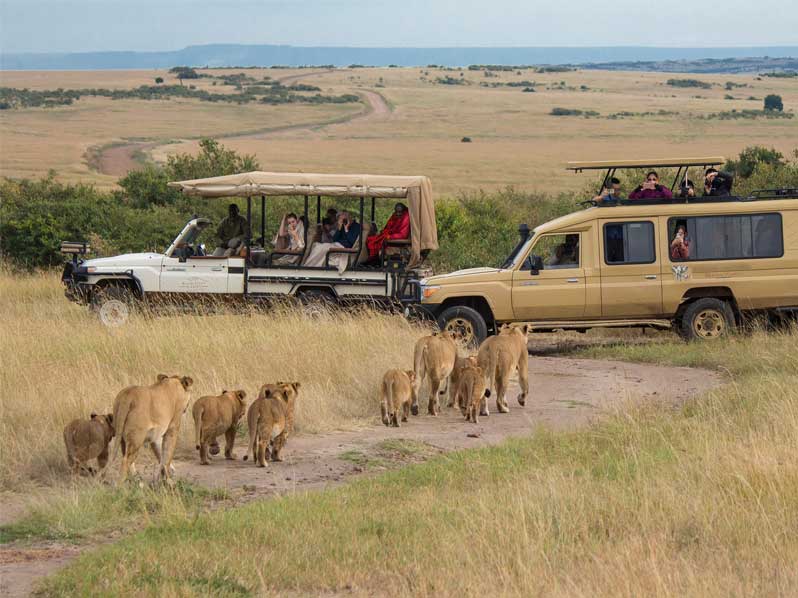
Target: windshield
[192,235]
[520,249]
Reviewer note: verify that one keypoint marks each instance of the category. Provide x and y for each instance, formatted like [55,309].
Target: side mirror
[536,264]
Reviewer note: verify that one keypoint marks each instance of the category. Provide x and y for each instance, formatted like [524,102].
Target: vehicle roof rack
[649,163]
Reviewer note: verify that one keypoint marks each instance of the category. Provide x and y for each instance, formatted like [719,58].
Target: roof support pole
[306,222]
[263,220]
[248,240]
[318,209]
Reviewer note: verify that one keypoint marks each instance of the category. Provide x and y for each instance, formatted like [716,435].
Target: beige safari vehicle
[617,264]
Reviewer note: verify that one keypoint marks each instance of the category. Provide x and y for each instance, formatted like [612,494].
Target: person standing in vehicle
[232,232]
[717,184]
[611,193]
[651,189]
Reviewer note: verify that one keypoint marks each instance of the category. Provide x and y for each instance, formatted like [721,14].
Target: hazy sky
[85,25]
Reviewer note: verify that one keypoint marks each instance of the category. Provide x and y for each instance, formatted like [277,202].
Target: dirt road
[117,160]
[565,394]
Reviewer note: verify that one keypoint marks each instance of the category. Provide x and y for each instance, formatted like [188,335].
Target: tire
[706,319]
[316,302]
[113,305]
[465,322]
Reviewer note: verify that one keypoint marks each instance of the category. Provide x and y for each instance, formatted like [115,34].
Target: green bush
[773,102]
[689,83]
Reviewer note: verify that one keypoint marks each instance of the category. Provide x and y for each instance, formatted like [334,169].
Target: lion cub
[471,392]
[270,419]
[396,394]
[217,415]
[88,439]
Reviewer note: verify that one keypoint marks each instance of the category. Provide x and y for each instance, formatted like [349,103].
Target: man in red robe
[397,227]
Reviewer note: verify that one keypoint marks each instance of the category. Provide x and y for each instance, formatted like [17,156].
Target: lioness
[499,356]
[270,420]
[471,392]
[151,413]
[217,415]
[433,358]
[396,394]
[88,439]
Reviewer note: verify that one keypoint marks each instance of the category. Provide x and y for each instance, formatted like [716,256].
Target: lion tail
[121,411]
[420,368]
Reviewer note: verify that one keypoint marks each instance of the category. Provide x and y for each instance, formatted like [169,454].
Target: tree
[773,102]
[751,157]
[158,80]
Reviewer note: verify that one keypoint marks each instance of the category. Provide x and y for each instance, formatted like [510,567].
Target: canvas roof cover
[416,190]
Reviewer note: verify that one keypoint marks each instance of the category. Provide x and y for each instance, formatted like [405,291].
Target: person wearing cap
[232,232]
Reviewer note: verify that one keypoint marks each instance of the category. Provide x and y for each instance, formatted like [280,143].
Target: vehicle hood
[128,260]
[460,275]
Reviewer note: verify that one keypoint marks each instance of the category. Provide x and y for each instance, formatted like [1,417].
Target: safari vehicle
[612,265]
[186,274]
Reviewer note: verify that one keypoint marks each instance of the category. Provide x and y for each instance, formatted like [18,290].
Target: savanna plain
[694,497]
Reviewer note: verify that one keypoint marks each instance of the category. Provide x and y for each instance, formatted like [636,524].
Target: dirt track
[565,394]
[118,160]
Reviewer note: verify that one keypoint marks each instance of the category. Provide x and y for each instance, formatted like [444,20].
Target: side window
[629,243]
[725,237]
[556,251]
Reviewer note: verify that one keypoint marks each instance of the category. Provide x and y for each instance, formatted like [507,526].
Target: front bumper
[76,285]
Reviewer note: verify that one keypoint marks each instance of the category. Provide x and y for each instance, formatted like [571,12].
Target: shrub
[773,102]
[751,157]
[465,140]
[158,80]
[184,72]
[689,83]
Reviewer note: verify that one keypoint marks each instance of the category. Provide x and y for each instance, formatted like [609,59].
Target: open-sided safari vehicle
[185,272]
[698,264]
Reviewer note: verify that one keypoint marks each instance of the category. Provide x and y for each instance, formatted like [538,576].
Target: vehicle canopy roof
[416,190]
[650,163]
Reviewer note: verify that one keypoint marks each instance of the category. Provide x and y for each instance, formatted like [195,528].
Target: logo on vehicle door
[681,272]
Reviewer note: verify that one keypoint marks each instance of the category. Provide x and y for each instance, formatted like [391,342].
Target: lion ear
[93,416]
[411,374]
[242,394]
[110,418]
[186,381]
[525,328]
[267,392]
[162,377]
[224,391]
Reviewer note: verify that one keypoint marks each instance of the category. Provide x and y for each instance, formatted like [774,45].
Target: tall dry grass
[59,362]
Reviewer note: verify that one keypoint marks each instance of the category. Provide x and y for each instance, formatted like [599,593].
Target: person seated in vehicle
[717,184]
[651,189]
[345,237]
[686,189]
[290,237]
[397,227]
[329,225]
[564,255]
[680,246]
[232,232]
[612,192]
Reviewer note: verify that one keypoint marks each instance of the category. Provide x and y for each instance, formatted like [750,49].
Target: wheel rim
[709,323]
[114,313]
[461,329]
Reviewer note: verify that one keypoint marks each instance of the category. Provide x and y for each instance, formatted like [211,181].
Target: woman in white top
[290,237]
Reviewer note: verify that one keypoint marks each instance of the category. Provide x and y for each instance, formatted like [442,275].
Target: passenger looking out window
[397,227]
[562,250]
[680,246]
[651,189]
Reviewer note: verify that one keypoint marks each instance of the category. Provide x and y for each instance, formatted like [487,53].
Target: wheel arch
[475,302]
[713,292]
[127,280]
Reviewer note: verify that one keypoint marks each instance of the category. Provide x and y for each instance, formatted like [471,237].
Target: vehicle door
[550,284]
[201,274]
[630,268]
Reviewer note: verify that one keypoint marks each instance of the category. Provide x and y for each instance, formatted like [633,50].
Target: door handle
[217,269]
[176,269]
[572,280]
[651,277]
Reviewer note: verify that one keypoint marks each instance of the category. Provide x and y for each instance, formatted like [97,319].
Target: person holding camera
[651,189]
[611,192]
[345,237]
[717,184]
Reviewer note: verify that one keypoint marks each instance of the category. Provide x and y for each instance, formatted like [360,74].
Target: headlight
[428,291]
[91,269]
